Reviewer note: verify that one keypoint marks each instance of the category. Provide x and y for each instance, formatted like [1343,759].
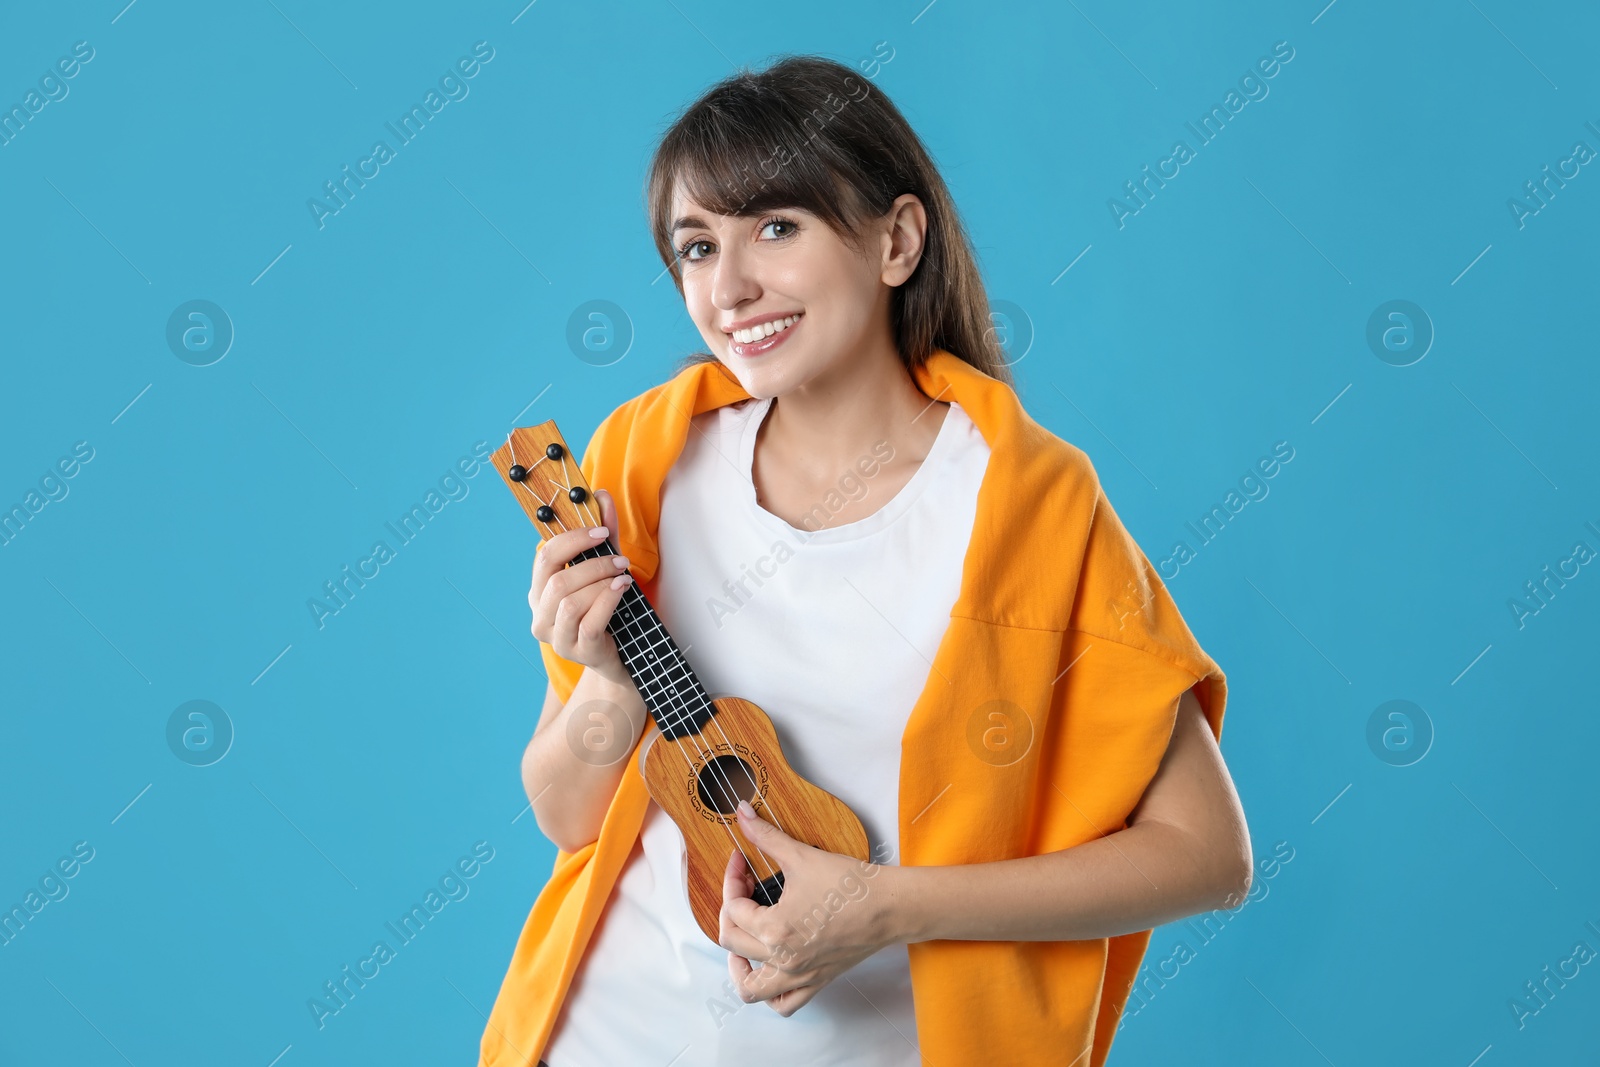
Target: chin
[751,378]
[755,382]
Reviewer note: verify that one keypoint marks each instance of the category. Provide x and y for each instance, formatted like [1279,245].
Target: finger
[789,1003]
[605,604]
[767,837]
[747,978]
[770,982]
[597,572]
[568,597]
[737,884]
[735,938]
[556,551]
[573,578]
[739,970]
[576,622]
[737,880]
[745,915]
[591,629]
[550,561]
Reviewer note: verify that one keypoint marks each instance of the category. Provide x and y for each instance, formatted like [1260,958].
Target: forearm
[1135,879]
[570,770]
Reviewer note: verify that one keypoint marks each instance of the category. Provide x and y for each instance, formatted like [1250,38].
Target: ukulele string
[725,785]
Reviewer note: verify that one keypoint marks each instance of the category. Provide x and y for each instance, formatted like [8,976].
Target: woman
[843,514]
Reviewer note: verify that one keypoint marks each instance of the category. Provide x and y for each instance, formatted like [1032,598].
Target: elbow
[560,823]
[569,847]
[1239,887]
[1238,875]
[560,836]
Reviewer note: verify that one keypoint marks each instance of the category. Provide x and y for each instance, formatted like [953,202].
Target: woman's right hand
[572,605]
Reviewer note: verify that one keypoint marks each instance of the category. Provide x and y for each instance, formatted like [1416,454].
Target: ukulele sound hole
[723,782]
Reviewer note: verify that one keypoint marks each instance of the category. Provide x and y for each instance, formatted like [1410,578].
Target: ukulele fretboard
[677,701]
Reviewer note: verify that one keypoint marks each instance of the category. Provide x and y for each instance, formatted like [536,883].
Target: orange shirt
[1046,714]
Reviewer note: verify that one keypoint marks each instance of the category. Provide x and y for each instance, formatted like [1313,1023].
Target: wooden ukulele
[706,754]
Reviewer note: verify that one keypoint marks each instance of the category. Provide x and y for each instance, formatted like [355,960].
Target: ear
[907,239]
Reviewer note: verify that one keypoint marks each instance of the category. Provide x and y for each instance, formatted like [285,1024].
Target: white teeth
[766,329]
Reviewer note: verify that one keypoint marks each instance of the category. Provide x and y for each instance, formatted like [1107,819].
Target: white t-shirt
[832,633]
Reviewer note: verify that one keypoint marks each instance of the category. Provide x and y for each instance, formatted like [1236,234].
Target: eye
[683,253]
[790,227]
[780,221]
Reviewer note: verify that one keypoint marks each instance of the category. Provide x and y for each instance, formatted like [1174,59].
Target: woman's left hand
[834,912]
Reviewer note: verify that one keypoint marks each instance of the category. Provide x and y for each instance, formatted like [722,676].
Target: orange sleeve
[1121,598]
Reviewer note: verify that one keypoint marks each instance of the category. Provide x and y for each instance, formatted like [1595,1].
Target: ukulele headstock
[543,474]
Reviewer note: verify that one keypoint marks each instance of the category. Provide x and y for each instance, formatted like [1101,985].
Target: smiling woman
[952,655]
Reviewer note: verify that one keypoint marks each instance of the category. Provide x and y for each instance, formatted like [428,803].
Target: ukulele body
[699,778]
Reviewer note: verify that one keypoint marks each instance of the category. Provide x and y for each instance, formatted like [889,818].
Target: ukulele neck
[672,692]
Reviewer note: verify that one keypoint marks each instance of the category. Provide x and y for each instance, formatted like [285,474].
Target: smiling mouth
[766,329]
[758,341]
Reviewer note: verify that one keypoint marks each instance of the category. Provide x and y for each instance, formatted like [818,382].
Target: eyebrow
[690,222]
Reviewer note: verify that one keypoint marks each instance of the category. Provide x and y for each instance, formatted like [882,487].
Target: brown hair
[811,133]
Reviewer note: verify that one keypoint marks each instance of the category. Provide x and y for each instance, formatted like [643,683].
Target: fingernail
[621,581]
[746,810]
[598,531]
[620,561]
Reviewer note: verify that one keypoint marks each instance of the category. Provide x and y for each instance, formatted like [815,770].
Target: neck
[671,690]
[823,425]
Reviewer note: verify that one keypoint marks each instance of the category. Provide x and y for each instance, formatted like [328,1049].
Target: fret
[671,690]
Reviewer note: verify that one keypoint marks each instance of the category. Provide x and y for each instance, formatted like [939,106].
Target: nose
[733,282]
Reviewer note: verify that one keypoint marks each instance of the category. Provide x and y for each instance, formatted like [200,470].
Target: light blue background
[1229,314]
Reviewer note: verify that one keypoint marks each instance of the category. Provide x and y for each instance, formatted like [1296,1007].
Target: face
[779,297]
